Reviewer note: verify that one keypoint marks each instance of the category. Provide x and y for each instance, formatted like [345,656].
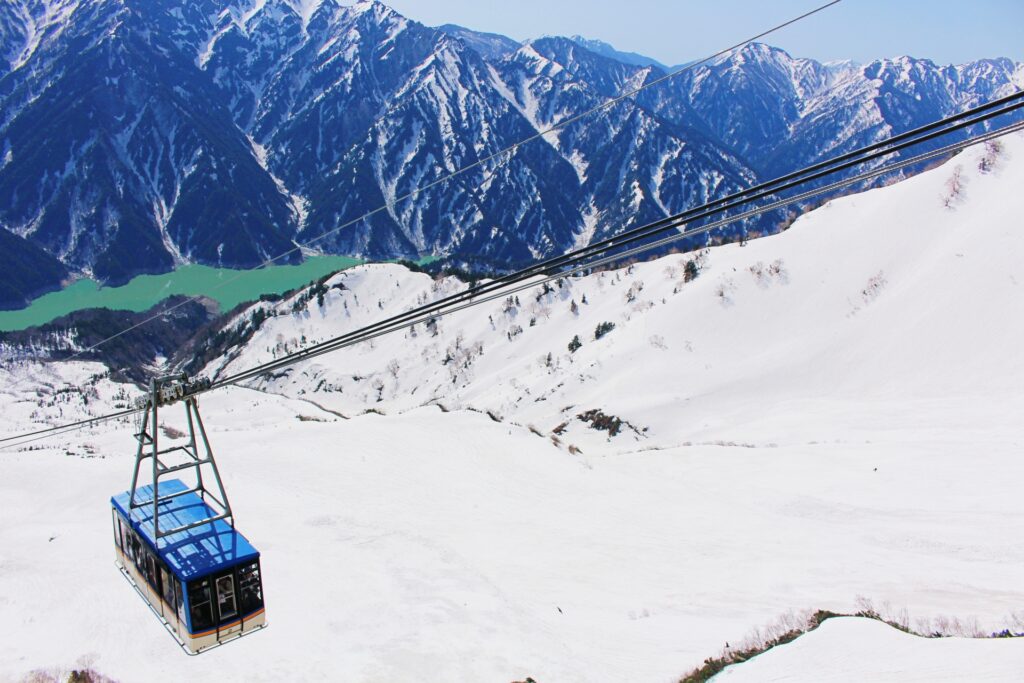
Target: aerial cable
[766,189]
[1011,102]
[351,339]
[649,230]
[49,432]
[803,176]
[457,172]
[318,351]
[471,293]
[347,340]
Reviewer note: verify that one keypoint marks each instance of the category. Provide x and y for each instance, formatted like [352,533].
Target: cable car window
[151,572]
[137,556]
[200,606]
[177,599]
[250,591]
[122,529]
[117,530]
[167,585]
[226,607]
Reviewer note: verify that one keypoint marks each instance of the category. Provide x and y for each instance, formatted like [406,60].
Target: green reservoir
[227,287]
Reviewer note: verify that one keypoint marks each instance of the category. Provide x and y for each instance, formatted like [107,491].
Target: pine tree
[690,271]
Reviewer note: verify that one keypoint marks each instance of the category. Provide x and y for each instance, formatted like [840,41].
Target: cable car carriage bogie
[176,542]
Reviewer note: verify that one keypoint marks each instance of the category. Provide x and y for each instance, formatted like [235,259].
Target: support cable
[365,334]
[656,228]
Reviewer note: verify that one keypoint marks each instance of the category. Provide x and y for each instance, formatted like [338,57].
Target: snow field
[866,306]
[448,543]
[851,649]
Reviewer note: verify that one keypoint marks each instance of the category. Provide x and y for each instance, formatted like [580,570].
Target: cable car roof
[193,552]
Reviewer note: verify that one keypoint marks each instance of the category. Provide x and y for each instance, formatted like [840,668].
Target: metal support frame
[164,391]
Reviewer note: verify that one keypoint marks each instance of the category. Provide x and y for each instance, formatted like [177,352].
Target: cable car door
[227,606]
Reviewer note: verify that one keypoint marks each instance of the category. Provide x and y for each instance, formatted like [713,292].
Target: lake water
[227,287]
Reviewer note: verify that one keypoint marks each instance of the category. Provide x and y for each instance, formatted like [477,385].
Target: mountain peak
[492,46]
[571,54]
[607,50]
[758,52]
[378,8]
[307,8]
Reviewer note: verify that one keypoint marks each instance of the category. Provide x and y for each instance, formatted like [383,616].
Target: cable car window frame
[226,596]
[123,531]
[179,602]
[118,535]
[166,585]
[151,573]
[138,558]
[249,582]
[197,602]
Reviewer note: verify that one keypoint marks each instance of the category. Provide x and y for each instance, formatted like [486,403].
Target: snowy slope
[450,543]
[853,649]
[812,437]
[864,306]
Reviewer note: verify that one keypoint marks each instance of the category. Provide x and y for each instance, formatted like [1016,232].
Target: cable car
[176,542]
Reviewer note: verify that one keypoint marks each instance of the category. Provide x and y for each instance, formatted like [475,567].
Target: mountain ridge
[227,133]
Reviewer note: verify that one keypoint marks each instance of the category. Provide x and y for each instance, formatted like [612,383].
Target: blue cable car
[177,542]
[204,582]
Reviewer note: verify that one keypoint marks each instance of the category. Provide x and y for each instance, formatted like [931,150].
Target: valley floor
[447,545]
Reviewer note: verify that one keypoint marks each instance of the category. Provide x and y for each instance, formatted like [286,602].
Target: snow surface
[887,283]
[825,414]
[855,650]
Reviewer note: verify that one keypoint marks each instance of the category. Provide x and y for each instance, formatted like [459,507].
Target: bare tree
[993,150]
[954,189]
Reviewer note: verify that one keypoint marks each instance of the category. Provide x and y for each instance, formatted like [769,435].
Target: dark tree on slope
[27,271]
[603,329]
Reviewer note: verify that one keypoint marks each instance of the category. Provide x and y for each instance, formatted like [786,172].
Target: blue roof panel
[194,552]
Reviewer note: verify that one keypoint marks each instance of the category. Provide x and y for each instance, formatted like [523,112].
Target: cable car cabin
[203,582]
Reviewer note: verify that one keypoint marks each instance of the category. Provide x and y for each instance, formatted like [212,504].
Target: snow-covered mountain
[491,45]
[602,48]
[798,110]
[663,357]
[823,414]
[140,134]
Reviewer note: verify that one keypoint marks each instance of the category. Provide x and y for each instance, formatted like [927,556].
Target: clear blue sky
[946,31]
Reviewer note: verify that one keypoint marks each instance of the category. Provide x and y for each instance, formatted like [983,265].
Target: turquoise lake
[227,287]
